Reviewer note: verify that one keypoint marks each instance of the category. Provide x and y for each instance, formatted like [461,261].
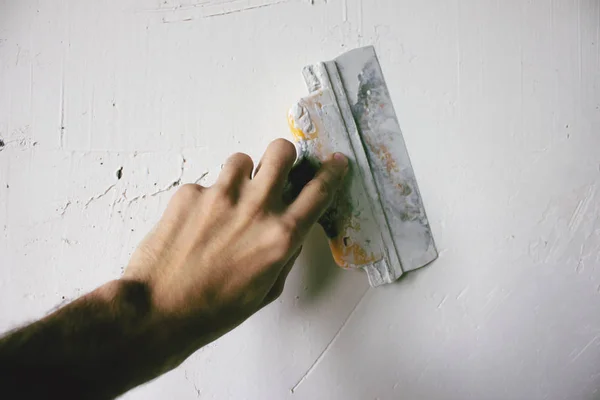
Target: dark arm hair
[97,347]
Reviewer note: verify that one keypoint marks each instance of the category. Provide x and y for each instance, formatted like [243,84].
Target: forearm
[96,347]
[217,256]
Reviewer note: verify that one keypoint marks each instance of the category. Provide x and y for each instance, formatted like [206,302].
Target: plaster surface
[499,102]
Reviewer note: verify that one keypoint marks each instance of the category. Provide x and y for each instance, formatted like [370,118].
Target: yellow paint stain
[352,254]
[388,160]
[298,133]
[383,153]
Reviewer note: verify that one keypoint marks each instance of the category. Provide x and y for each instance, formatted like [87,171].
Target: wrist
[152,337]
[166,334]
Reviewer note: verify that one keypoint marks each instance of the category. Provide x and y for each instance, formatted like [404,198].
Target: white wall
[500,106]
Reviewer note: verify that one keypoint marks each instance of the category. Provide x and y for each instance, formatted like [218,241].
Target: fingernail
[340,160]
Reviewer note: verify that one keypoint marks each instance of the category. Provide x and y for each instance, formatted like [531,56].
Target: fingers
[298,177]
[275,165]
[236,169]
[317,195]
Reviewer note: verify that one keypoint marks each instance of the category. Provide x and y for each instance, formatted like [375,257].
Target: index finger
[318,193]
[276,164]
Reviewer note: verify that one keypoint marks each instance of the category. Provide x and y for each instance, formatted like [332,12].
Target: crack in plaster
[167,188]
[331,342]
[204,174]
[99,196]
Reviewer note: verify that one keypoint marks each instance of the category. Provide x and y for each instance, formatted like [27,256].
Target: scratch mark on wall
[92,117]
[462,292]
[491,307]
[69,242]
[458,51]
[345,10]
[31,81]
[63,209]
[360,21]
[18,55]
[581,209]
[580,266]
[215,8]
[549,211]
[61,123]
[187,378]
[23,142]
[579,55]
[442,302]
[331,342]
[99,196]
[584,349]
[490,296]
[165,21]
[580,263]
[242,9]
[423,370]
[182,7]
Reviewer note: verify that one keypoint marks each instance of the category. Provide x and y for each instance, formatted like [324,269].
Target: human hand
[216,256]
[221,253]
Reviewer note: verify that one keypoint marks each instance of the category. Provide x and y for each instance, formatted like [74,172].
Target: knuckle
[279,240]
[146,254]
[285,234]
[219,195]
[240,159]
[322,187]
[188,192]
[253,207]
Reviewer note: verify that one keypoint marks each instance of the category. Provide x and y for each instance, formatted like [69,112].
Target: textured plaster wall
[499,102]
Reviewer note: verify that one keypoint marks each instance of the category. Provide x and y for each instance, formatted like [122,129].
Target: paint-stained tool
[377,221]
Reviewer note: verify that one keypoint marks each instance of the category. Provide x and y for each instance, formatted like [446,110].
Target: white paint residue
[301,119]
[499,104]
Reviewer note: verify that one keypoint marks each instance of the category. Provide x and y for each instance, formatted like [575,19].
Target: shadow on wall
[319,268]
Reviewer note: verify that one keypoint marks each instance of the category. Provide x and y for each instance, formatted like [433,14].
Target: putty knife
[377,221]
